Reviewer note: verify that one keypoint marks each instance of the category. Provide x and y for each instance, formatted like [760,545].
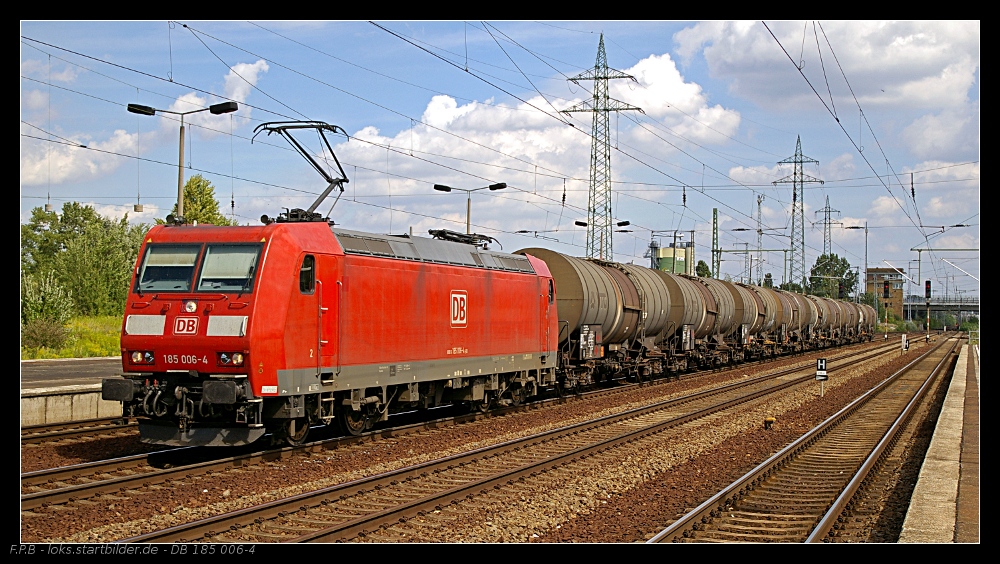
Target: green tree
[200,204]
[43,297]
[768,281]
[47,233]
[791,287]
[702,270]
[97,265]
[827,275]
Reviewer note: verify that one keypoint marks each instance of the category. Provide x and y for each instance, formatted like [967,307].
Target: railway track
[141,472]
[372,508]
[54,432]
[802,493]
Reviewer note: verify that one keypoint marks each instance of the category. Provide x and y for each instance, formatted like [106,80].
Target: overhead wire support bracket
[284,128]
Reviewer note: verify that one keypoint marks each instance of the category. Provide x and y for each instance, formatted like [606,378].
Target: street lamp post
[866,249]
[468,202]
[223,108]
[618,224]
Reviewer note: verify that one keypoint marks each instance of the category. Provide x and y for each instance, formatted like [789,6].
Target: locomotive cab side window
[168,268]
[307,275]
[229,268]
[552,292]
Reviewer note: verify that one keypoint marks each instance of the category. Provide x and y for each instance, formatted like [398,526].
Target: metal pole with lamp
[468,203]
[223,108]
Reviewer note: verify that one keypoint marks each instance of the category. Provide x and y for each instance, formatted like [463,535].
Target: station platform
[949,478]
[64,390]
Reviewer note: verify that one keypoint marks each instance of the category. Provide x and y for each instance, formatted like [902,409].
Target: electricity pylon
[827,240]
[599,226]
[797,271]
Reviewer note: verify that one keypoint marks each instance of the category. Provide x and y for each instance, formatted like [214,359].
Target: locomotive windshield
[168,268]
[223,268]
[228,268]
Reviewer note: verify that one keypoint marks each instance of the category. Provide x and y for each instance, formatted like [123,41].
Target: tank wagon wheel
[354,422]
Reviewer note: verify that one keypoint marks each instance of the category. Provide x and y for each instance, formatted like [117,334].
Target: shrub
[43,298]
[43,333]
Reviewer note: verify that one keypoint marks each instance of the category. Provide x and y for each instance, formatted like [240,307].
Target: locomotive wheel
[484,405]
[296,431]
[518,395]
[354,422]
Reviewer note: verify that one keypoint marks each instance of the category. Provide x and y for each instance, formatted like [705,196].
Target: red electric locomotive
[232,332]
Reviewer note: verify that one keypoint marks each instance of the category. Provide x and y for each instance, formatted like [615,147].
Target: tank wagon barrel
[618,320]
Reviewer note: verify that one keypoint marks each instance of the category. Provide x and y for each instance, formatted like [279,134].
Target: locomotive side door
[302,327]
[328,294]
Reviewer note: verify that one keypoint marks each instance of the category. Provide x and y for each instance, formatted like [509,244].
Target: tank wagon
[625,321]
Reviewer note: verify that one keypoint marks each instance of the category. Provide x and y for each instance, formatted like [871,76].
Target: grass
[88,337]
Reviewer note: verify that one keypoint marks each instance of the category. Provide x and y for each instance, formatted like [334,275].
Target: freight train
[231,333]
[234,333]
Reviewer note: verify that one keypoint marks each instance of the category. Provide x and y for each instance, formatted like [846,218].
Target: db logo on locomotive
[459,308]
[186,326]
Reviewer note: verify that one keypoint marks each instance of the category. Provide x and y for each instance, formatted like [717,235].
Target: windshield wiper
[249,278]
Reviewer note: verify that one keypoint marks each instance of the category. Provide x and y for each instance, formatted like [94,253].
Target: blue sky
[467,104]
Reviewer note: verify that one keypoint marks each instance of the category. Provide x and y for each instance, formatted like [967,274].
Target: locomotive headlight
[230,358]
[190,306]
[141,357]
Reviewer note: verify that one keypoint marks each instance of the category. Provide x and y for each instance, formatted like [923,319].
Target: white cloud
[921,64]
[756,174]
[43,71]
[664,95]
[241,79]
[443,110]
[34,99]
[948,134]
[883,206]
[207,125]
[43,162]
[839,167]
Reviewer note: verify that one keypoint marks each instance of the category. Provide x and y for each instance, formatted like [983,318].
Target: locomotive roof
[424,249]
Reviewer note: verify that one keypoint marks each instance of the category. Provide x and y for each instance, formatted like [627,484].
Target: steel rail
[680,528]
[828,520]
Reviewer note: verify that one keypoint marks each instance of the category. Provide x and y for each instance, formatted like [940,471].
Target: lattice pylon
[599,222]
[797,271]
